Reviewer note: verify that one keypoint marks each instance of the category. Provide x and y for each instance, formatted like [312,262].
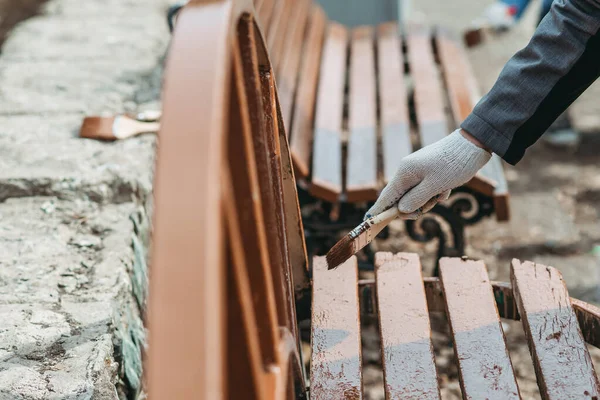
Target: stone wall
[74,221]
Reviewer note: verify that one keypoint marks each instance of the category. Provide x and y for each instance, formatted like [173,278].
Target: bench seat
[537,295]
[355,101]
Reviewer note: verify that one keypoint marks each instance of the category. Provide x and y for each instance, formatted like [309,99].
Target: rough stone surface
[73,212]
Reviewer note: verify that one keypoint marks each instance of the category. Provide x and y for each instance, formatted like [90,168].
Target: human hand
[427,176]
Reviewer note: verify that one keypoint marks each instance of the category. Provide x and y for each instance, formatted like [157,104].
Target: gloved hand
[427,176]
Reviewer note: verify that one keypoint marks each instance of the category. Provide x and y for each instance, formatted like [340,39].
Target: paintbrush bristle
[98,128]
[342,251]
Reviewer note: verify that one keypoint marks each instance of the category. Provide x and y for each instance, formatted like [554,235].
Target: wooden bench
[355,101]
[229,273]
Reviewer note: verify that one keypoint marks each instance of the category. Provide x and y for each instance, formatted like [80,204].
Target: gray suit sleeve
[541,81]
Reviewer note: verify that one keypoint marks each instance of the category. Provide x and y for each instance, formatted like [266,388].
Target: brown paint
[407,351]
[186,355]
[278,29]
[361,164]
[327,145]
[335,332]
[395,128]
[463,93]
[428,94]
[485,369]
[295,228]
[287,76]
[562,362]
[304,107]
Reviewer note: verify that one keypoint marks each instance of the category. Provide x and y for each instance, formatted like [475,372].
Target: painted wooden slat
[407,351]
[327,144]
[242,160]
[277,30]
[428,93]
[268,167]
[562,363]
[463,93]
[301,133]
[293,217]
[335,336]
[395,125]
[265,12]
[485,369]
[287,76]
[361,165]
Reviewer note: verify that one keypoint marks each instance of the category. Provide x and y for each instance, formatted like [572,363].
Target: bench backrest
[228,242]
[342,89]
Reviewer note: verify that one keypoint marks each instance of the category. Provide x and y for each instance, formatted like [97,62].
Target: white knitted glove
[427,176]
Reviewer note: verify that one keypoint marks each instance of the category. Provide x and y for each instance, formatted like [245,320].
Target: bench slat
[428,94]
[463,93]
[304,107]
[395,126]
[407,351]
[484,365]
[288,71]
[335,336]
[277,30]
[562,363]
[265,11]
[327,144]
[246,188]
[361,165]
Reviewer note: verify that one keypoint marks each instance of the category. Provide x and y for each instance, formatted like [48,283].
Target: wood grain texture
[395,125]
[428,92]
[407,351]
[287,75]
[335,336]
[562,363]
[361,164]
[295,229]
[327,144]
[485,369]
[304,107]
[268,166]
[242,161]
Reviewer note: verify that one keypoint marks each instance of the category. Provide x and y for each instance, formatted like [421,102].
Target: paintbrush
[115,127]
[359,237]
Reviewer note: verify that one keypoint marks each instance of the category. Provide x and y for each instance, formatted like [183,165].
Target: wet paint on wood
[562,362]
[395,126]
[407,351]
[361,164]
[304,108]
[335,336]
[327,145]
[485,369]
[428,94]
